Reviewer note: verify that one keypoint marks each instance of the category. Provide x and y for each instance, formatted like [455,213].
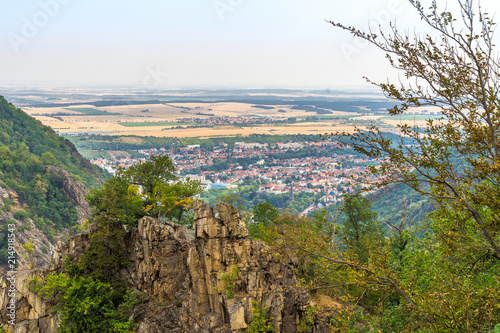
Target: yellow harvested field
[233,131]
[188,132]
[230,108]
[109,124]
[32,111]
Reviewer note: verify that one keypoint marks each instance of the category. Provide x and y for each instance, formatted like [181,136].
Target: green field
[159,123]
[89,111]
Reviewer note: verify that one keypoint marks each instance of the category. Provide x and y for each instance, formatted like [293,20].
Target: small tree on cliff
[159,170]
[458,154]
[149,188]
[121,202]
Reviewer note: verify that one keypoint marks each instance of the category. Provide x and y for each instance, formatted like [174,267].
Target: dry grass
[117,153]
[324,302]
[135,140]
[32,110]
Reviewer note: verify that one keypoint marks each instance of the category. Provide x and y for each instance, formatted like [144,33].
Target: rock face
[74,190]
[32,314]
[26,230]
[204,283]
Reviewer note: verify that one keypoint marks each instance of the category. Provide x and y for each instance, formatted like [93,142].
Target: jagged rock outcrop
[188,279]
[74,190]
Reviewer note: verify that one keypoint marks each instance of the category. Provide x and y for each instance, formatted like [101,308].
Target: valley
[209,113]
[255,144]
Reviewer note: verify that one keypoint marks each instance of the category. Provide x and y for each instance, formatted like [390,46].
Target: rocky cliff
[74,190]
[200,283]
[27,231]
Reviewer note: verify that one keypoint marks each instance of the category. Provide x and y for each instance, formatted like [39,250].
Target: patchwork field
[150,124]
[197,119]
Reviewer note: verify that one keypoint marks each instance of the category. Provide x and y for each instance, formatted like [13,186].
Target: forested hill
[39,176]
[22,133]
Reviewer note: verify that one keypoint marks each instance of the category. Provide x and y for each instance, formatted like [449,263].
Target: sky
[166,44]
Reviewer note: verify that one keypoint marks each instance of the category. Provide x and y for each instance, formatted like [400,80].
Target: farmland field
[89,111]
[410,117]
[202,119]
[152,123]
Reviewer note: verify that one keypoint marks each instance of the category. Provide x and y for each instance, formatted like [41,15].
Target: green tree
[260,323]
[458,154]
[264,214]
[360,219]
[175,200]
[159,169]
[446,281]
[359,225]
[107,253]
[118,198]
[85,304]
[49,159]
[147,189]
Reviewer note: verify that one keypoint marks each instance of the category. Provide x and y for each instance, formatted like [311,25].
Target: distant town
[326,175]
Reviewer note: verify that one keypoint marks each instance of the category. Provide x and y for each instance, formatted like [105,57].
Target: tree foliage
[86,304]
[146,189]
[149,174]
[20,132]
[27,148]
[264,214]
[260,323]
[106,254]
[458,154]
[359,224]
[440,276]
[443,277]
[92,295]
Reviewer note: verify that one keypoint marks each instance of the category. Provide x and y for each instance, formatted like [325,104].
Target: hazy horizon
[215,44]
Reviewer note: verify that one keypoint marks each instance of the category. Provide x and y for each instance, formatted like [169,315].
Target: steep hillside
[41,176]
[20,132]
